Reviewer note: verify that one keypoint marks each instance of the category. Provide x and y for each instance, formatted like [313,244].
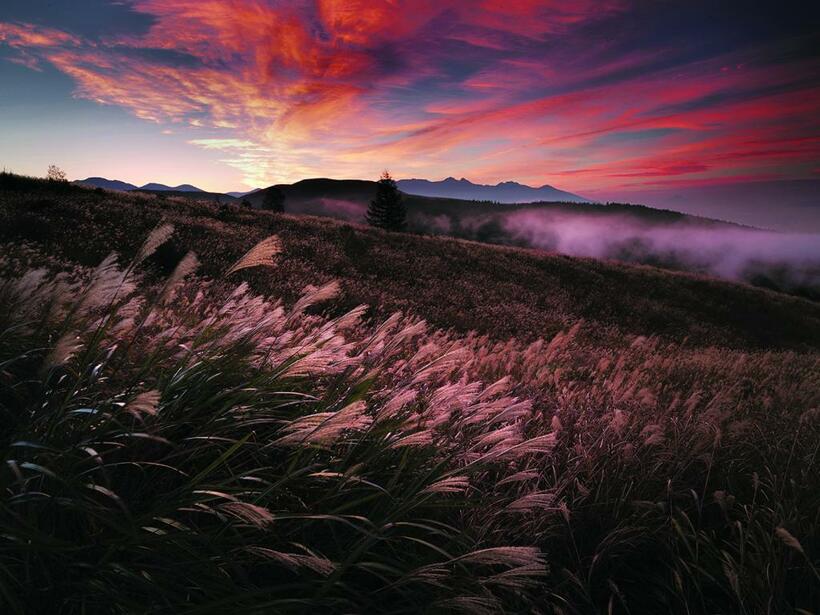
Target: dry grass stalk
[261,255]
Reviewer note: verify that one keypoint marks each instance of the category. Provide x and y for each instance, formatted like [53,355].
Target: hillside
[194,195]
[466,219]
[498,291]
[209,408]
[785,205]
[615,231]
[347,199]
[623,232]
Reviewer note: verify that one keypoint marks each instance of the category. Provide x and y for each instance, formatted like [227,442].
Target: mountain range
[477,212]
[450,188]
[505,192]
[163,187]
[115,184]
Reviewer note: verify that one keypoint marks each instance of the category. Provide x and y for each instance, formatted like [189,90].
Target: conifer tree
[274,200]
[387,209]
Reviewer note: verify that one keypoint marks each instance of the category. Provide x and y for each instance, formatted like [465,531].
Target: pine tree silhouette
[274,200]
[387,209]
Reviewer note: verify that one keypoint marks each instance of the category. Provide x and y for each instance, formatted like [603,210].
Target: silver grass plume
[65,348]
[186,266]
[107,282]
[158,236]
[315,294]
[505,556]
[261,255]
[146,403]
[788,539]
[295,561]
[453,484]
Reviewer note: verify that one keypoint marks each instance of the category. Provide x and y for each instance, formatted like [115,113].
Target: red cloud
[347,87]
[22,36]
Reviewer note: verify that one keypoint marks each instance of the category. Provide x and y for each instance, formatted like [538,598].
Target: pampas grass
[184,268]
[189,445]
[158,236]
[64,349]
[261,255]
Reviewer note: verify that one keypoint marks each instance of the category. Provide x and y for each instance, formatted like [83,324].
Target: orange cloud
[293,88]
[22,36]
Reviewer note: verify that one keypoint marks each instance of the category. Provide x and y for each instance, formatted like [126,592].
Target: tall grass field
[197,416]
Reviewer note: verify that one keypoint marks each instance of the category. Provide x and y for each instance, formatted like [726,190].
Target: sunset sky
[608,98]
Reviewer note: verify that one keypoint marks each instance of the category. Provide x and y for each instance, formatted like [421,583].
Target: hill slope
[347,199]
[299,458]
[497,291]
[629,233]
[213,197]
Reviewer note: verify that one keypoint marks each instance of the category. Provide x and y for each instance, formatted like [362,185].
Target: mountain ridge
[508,192]
[163,187]
[106,184]
[347,199]
[361,191]
[116,184]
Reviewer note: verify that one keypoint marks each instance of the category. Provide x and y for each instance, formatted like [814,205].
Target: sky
[641,100]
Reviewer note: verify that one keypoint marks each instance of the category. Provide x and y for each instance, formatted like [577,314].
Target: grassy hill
[326,197]
[498,291]
[198,195]
[615,231]
[199,415]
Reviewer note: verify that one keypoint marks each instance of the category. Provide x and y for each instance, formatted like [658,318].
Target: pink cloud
[22,36]
[348,87]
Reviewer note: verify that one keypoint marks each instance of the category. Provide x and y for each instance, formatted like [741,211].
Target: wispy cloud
[522,89]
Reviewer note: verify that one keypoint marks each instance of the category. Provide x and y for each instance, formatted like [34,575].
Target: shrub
[55,173]
[273,200]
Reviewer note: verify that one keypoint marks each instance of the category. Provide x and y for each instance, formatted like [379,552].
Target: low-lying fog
[785,261]
[789,261]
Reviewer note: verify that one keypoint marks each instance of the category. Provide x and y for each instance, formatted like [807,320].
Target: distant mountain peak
[107,184]
[163,187]
[115,184]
